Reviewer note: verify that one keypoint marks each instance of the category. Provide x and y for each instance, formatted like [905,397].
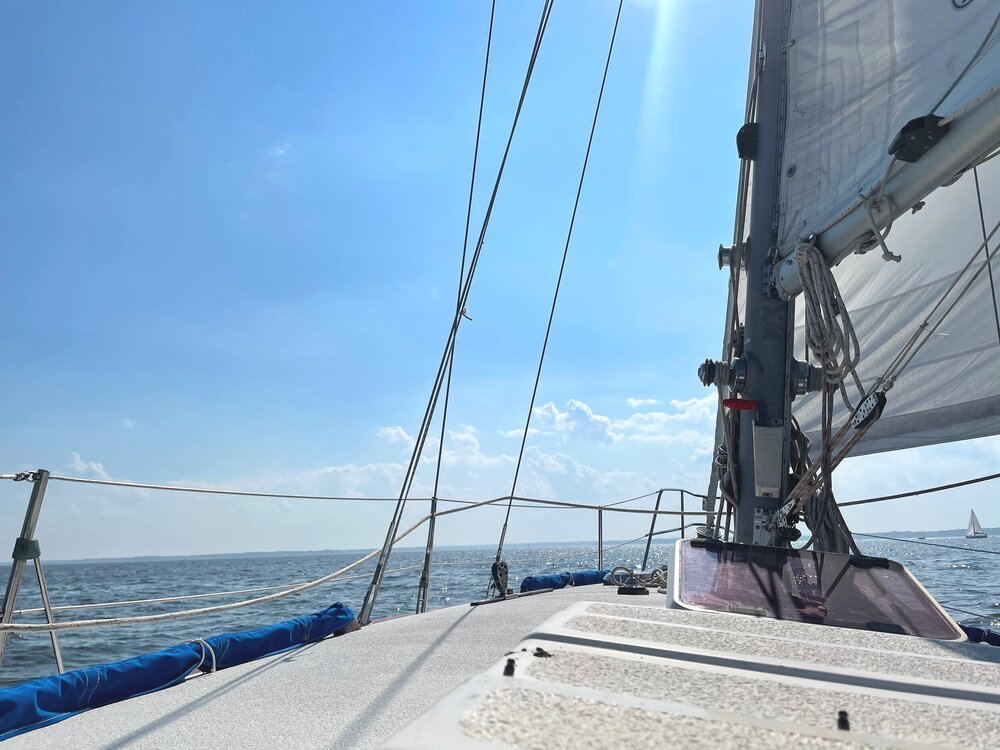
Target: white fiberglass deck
[352,691]
[624,671]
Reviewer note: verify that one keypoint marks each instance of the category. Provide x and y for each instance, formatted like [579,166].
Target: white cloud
[359,480]
[638,403]
[518,432]
[579,420]
[95,468]
[395,434]
[692,411]
[127,423]
[462,448]
[689,421]
[281,149]
[560,475]
[470,472]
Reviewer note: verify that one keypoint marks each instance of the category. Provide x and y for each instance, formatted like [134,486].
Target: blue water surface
[958,578]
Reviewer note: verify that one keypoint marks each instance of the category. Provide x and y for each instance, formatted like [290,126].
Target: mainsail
[857,72]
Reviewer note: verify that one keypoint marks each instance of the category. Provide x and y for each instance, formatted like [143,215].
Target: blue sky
[232,234]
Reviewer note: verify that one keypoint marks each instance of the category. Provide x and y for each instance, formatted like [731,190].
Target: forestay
[857,72]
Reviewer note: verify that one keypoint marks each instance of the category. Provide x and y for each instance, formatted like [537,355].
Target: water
[957,578]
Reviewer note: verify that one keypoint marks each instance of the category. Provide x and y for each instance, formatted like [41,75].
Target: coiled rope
[830,334]
[923,333]
[831,338]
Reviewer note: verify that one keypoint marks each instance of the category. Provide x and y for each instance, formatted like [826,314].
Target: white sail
[951,391]
[857,72]
[975,531]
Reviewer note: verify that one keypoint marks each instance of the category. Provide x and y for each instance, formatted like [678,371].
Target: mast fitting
[806,378]
[746,141]
[918,136]
[869,410]
[727,257]
[730,374]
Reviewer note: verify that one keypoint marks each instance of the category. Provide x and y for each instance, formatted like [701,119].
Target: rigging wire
[520,501]
[722,480]
[651,494]
[809,482]
[968,66]
[986,250]
[931,544]
[980,615]
[210,490]
[8,627]
[562,268]
[465,244]
[189,597]
[915,344]
[424,585]
[418,447]
[925,491]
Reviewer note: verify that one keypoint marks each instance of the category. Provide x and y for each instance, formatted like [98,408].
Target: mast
[762,375]
[762,468]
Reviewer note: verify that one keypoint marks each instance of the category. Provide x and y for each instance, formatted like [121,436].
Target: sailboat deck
[623,670]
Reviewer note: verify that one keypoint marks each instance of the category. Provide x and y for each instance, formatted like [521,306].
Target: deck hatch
[817,587]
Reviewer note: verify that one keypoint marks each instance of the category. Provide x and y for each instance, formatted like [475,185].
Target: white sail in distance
[975,531]
[857,72]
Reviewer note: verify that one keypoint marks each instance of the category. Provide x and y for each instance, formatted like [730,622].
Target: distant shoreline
[941,534]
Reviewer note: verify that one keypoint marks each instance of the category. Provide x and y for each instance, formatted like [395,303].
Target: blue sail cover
[562,580]
[548,581]
[589,577]
[44,701]
[237,648]
[47,700]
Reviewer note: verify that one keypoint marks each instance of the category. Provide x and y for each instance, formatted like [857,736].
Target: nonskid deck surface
[620,675]
[622,667]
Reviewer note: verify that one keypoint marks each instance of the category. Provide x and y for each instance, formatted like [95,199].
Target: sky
[232,234]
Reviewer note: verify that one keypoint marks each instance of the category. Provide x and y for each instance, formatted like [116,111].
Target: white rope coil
[829,331]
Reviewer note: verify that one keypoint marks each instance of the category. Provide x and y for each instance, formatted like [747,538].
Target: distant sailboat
[975,531]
